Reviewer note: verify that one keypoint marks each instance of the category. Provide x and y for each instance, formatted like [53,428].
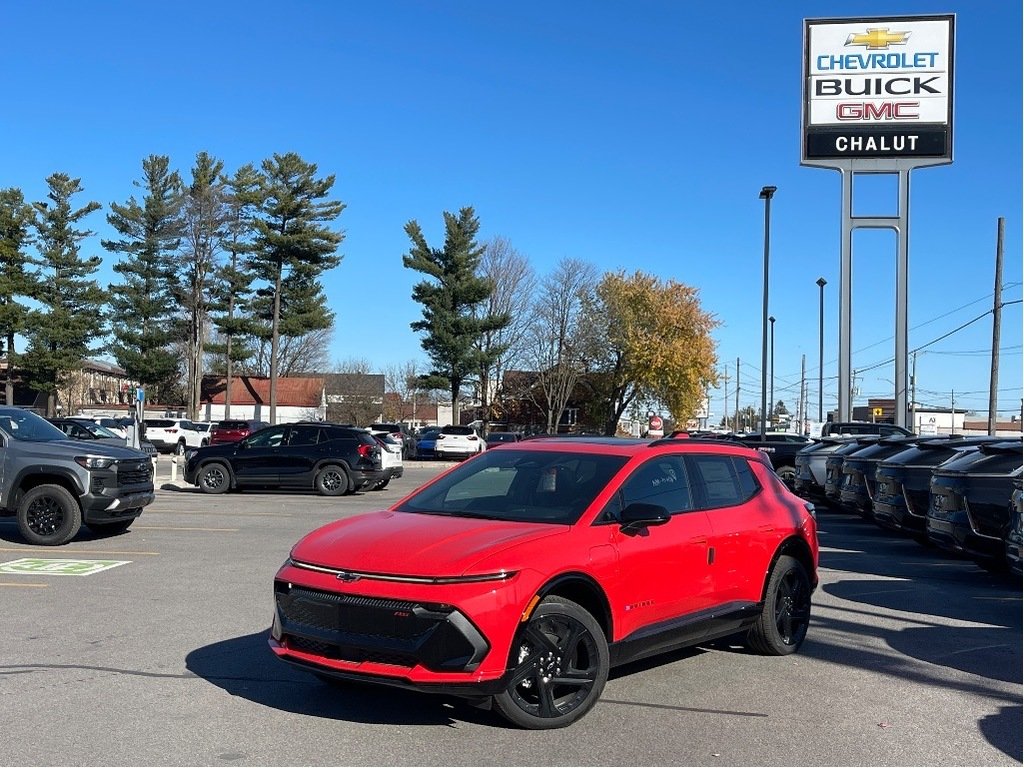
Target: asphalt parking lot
[913,658]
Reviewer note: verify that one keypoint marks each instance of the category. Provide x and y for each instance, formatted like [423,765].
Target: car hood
[107,447]
[405,543]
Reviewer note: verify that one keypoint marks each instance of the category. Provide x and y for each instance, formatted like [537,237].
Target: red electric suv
[518,578]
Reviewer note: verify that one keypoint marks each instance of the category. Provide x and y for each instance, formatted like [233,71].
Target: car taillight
[472,437]
[366,451]
[172,430]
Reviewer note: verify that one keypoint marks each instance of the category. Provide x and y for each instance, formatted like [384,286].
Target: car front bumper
[411,635]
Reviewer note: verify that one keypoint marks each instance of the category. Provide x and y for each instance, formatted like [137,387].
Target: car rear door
[745,523]
[298,456]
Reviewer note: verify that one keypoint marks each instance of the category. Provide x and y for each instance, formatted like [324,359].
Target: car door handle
[699,540]
[766,528]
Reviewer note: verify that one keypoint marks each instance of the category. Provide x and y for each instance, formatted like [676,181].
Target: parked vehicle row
[960,494]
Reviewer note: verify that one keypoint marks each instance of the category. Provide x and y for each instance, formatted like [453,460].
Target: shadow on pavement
[1003,731]
[246,667]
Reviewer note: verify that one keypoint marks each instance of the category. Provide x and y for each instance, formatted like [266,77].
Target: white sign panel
[878,87]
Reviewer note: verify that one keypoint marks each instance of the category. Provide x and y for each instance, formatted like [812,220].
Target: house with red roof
[299,398]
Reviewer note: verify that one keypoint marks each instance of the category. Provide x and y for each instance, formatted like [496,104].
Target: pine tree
[205,215]
[142,306]
[291,237]
[16,281]
[452,331]
[232,285]
[70,314]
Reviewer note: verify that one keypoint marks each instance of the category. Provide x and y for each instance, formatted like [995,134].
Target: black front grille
[355,628]
[135,474]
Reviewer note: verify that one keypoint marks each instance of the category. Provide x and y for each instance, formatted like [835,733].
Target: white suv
[174,435]
[458,441]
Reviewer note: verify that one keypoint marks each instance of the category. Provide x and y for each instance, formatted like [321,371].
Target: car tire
[559,664]
[332,480]
[179,448]
[214,478]
[787,475]
[111,528]
[203,443]
[381,485]
[786,613]
[49,515]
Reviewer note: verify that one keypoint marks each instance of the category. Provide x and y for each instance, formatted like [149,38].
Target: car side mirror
[639,515]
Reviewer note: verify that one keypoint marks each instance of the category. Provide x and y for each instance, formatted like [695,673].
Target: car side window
[662,481]
[305,435]
[267,438]
[725,481]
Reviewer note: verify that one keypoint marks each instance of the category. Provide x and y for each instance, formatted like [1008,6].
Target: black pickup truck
[781,448]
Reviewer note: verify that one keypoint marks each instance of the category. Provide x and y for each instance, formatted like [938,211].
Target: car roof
[626,446]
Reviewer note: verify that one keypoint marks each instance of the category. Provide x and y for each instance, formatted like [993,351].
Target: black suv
[901,492]
[862,428]
[331,459]
[970,502]
[857,486]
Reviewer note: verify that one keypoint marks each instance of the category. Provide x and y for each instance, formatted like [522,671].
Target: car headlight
[95,462]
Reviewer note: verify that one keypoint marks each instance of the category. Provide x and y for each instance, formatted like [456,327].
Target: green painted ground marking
[59,567]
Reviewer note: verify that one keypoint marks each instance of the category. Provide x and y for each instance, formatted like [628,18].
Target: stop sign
[655,424]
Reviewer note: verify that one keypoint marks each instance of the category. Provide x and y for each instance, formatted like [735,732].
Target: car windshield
[501,437]
[25,425]
[522,486]
[233,425]
[97,430]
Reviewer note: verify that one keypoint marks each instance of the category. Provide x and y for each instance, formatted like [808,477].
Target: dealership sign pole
[877,98]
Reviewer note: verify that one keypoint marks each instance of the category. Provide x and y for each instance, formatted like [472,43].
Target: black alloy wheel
[559,666]
[214,478]
[332,481]
[49,515]
[786,615]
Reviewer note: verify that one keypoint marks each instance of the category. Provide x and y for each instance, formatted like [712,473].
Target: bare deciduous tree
[514,282]
[296,355]
[558,339]
[403,380]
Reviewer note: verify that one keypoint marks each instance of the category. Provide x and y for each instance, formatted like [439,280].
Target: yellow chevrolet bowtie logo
[879,37]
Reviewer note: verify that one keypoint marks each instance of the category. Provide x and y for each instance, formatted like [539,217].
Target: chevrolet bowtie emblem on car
[348,576]
[877,38]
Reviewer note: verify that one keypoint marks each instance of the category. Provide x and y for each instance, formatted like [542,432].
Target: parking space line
[182,528]
[221,512]
[16,584]
[36,550]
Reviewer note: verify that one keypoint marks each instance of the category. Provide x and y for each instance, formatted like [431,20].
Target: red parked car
[520,577]
[233,430]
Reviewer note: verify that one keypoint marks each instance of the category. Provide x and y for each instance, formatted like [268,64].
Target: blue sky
[633,136]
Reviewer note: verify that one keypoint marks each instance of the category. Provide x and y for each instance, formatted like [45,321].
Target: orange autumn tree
[656,345]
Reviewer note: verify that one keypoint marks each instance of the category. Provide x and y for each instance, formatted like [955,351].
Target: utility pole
[997,316]
[725,411]
[801,412]
[913,395]
[737,425]
[952,413]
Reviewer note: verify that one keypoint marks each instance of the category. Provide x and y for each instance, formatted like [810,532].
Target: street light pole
[821,342]
[766,195]
[771,387]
